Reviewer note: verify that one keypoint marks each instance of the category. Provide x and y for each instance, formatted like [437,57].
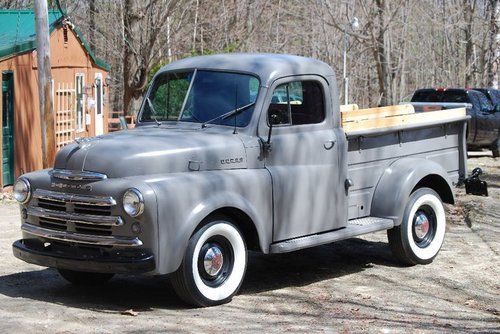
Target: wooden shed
[79,89]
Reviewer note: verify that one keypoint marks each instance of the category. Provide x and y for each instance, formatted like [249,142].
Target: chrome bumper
[79,238]
[135,261]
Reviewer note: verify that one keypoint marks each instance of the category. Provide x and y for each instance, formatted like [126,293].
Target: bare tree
[401,45]
[144,23]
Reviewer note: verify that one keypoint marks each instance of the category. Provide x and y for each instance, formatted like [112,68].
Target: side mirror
[273,117]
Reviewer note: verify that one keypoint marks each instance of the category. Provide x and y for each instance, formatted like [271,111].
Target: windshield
[200,96]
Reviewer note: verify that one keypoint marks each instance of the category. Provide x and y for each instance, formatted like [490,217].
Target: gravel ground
[349,286]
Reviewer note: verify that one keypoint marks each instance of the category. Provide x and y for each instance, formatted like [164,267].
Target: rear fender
[400,179]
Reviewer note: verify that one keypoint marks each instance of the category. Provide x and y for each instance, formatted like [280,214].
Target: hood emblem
[229,161]
[71,186]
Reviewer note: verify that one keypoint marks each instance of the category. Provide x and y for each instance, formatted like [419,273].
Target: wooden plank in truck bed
[403,119]
[370,113]
[348,107]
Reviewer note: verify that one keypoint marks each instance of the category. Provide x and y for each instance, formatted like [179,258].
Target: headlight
[22,190]
[133,202]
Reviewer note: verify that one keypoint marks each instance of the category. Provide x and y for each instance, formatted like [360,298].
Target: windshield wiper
[227,115]
[150,104]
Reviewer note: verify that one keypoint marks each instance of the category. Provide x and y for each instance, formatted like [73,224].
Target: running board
[354,228]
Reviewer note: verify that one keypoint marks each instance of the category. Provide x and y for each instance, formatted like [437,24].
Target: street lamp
[353,25]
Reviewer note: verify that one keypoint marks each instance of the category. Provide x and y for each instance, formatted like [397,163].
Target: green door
[8,128]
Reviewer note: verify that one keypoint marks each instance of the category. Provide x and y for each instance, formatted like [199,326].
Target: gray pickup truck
[233,153]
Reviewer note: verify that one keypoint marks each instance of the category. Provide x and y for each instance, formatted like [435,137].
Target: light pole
[354,25]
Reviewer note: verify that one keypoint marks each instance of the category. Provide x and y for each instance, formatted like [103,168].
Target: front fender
[400,178]
[185,199]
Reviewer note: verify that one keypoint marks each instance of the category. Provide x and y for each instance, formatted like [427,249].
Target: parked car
[238,169]
[492,94]
[484,125]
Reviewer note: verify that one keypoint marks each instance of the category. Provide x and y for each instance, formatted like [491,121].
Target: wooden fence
[65,109]
[114,123]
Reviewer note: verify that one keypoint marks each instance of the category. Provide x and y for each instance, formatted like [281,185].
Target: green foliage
[168,97]
[155,69]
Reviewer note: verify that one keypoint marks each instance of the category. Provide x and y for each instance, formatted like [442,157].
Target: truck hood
[153,150]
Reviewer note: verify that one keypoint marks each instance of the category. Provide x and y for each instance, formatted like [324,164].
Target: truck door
[308,195]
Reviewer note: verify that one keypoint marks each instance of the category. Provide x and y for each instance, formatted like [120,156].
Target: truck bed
[379,136]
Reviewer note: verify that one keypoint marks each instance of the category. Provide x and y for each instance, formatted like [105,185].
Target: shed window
[80,111]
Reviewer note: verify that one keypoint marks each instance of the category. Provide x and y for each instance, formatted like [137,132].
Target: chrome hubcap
[213,261]
[421,225]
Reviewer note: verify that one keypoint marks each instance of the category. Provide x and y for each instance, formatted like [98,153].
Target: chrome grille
[54,224]
[92,209]
[51,204]
[92,229]
[74,213]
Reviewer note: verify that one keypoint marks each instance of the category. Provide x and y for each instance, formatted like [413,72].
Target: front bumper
[83,258]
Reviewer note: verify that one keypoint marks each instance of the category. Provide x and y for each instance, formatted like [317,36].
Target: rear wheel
[421,234]
[214,265]
[84,278]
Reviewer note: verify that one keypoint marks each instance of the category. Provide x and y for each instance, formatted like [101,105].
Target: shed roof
[17,33]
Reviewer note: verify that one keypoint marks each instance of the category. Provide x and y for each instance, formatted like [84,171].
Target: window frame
[80,127]
[322,82]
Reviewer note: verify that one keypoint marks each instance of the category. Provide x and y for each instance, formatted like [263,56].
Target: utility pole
[350,25]
[45,83]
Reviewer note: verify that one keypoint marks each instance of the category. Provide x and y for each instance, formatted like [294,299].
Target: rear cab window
[452,96]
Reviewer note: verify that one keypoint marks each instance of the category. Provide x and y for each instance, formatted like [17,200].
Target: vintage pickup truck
[233,153]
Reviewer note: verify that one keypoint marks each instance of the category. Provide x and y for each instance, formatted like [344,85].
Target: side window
[484,102]
[80,103]
[297,102]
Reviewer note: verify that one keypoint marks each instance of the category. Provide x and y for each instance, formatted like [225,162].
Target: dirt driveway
[349,286]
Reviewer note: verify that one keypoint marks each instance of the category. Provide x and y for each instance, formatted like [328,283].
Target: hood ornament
[84,142]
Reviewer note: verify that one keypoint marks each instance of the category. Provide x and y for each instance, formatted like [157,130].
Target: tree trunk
[492,59]
[382,56]
[92,28]
[468,12]
[131,58]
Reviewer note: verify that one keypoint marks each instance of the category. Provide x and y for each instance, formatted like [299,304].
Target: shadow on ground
[143,293]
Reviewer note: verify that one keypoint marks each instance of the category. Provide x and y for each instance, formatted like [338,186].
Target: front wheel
[421,234]
[84,278]
[213,266]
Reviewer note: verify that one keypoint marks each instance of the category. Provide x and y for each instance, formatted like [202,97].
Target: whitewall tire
[421,234]
[214,265]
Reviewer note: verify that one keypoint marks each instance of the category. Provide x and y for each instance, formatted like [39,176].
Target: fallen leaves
[130,312]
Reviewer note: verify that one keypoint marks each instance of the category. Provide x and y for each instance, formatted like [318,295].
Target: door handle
[329,144]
